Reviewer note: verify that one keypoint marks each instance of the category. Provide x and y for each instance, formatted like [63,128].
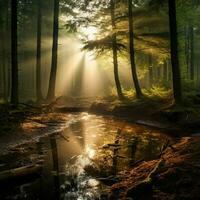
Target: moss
[171,179]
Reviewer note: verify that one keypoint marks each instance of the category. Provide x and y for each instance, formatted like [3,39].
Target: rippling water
[81,162]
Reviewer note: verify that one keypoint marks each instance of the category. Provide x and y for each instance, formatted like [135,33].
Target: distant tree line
[163,35]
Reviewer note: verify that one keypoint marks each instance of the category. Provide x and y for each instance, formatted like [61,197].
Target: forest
[99,100]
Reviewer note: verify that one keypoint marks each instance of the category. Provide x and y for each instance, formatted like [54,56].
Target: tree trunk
[187,49]
[38,57]
[114,49]
[8,50]
[3,63]
[169,74]
[4,66]
[191,34]
[198,72]
[52,81]
[150,70]
[14,62]
[132,52]
[165,71]
[176,75]
[158,69]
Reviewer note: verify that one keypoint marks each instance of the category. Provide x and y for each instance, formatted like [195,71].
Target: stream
[82,161]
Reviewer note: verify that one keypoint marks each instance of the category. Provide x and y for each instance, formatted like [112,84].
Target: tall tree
[114,50]
[191,35]
[186,47]
[176,75]
[8,49]
[3,49]
[165,71]
[14,62]
[52,81]
[150,69]
[131,49]
[38,62]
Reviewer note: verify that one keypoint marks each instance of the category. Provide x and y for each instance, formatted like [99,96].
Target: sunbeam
[78,72]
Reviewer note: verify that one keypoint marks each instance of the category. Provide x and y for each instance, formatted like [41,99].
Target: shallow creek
[80,162]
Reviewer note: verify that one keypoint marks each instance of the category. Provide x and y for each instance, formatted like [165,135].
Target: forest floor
[175,175]
[27,124]
[158,113]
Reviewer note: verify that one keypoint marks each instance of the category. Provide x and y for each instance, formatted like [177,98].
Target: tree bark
[8,50]
[176,75]
[187,49]
[191,33]
[158,69]
[198,72]
[132,52]
[114,49]
[3,63]
[150,70]
[38,57]
[165,71]
[14,62]
[4,66]
[52,81]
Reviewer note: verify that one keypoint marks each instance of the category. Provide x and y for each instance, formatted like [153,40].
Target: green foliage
[129,93]
[158,92]
[151,35]
[102,45]
[153,93]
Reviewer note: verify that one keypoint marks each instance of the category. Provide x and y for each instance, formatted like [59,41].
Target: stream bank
[180,164]
[179,120]
[177,177]
[78,158]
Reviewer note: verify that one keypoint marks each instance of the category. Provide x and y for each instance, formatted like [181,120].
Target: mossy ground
[178,178]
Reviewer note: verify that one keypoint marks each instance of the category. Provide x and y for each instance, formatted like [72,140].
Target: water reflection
[80,160]
[116,148]
[77,133]
[55,168]
[132,146]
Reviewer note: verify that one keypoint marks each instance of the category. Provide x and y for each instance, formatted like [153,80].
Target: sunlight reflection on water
[88,149]
[83,186]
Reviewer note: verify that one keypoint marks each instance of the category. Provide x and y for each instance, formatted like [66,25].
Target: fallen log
[65,109]
[30,106]
[145,187]
[20,172]
[137,163]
